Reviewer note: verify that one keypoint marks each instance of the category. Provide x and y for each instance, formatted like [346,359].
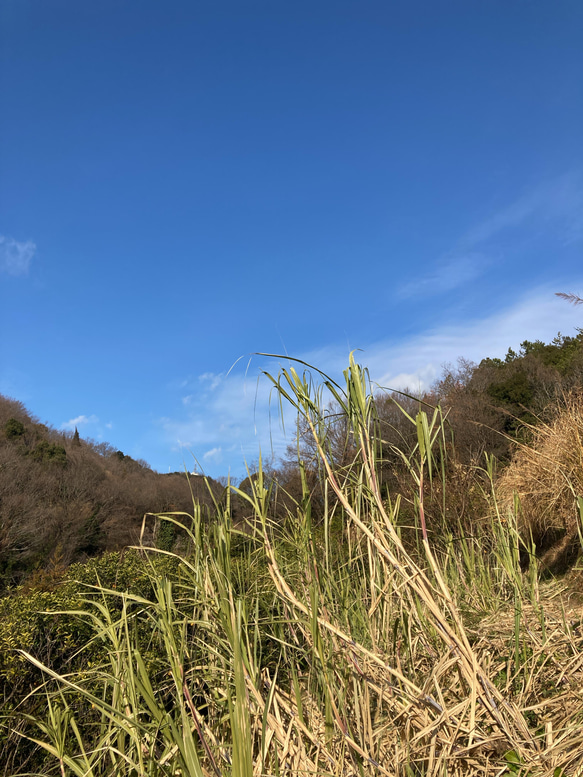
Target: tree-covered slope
[61,496]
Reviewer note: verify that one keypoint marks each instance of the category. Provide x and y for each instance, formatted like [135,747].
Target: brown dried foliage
[91,499]
[547,477]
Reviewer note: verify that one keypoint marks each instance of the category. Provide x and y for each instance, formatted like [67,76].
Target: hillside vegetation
[385,601]
[64,499]
[502,409]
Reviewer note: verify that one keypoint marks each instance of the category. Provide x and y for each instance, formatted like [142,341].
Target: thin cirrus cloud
[215,455]
[227,428]
[554,207]
[449,275]
[418,361]
[15,256]
[206,382]
[228,424]
[211,380]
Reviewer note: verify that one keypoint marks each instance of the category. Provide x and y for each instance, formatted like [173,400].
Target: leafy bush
[47,452]
[13,428]
[43,619]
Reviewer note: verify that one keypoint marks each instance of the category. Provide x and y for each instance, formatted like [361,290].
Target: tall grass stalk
[421,586]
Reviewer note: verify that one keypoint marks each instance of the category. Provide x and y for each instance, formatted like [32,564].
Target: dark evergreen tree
[13,429]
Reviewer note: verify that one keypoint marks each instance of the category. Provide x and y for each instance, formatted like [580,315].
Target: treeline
[64,499]
[491,404]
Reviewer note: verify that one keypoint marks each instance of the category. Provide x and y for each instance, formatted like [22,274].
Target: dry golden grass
[547,477]
[547,686]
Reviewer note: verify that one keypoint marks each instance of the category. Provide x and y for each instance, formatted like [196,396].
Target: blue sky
[184,184]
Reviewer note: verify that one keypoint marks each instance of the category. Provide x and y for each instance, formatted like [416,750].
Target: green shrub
[166,536]
[47,452]
[42,618]
[13,429]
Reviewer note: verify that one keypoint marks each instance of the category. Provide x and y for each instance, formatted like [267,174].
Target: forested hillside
[64,499]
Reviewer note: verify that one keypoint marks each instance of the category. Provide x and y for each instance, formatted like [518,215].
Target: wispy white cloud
[417,361]
[233,421]
[557,203]
[242,414]
[15,256]
[211,380]
[449,274]
[198,387]
[80,420]
[215,455]
[554,208]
